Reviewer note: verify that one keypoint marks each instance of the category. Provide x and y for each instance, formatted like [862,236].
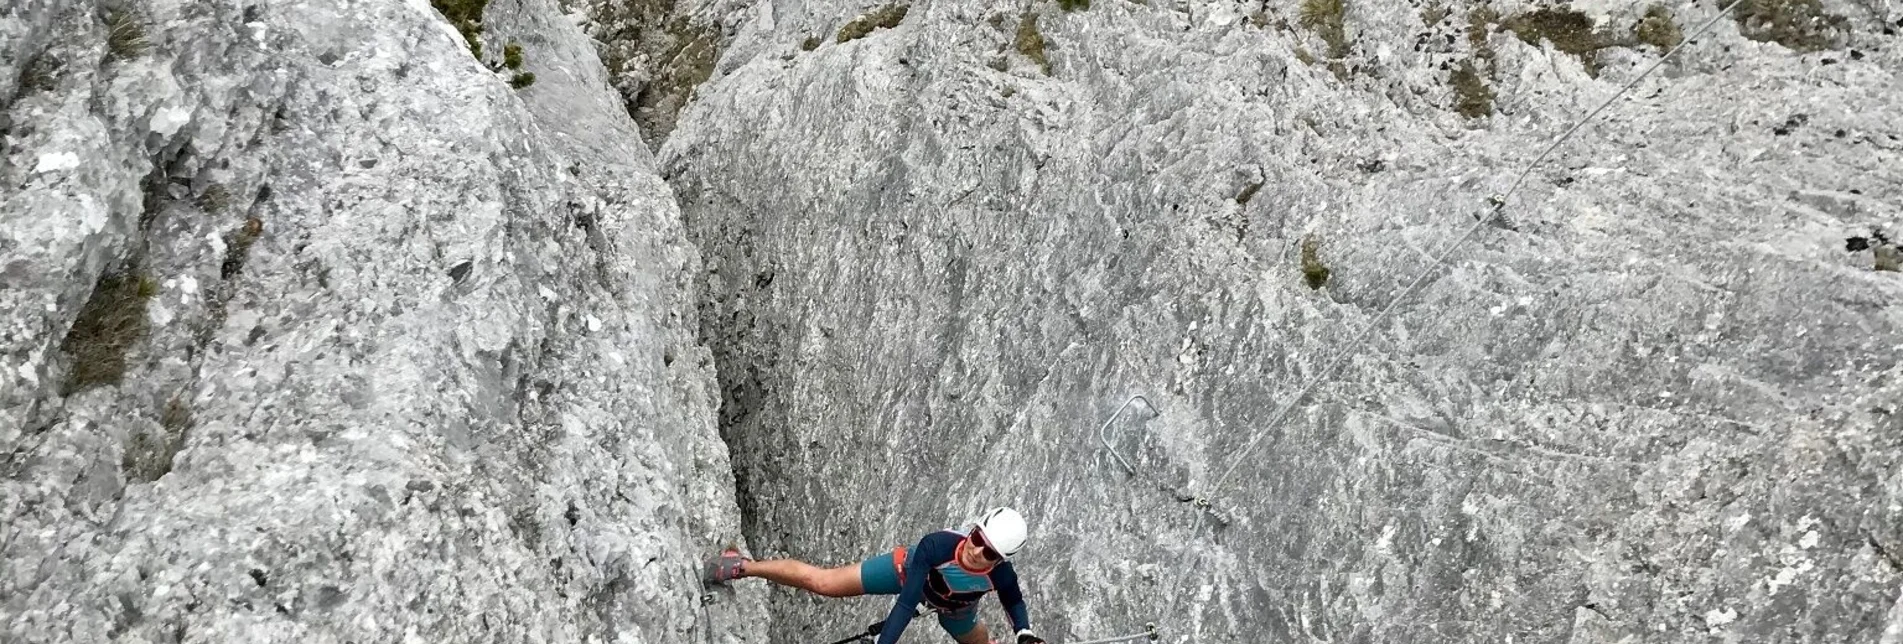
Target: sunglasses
[984,547]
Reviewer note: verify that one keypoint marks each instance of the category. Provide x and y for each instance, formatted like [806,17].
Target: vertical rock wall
[1656,402]
[318,330]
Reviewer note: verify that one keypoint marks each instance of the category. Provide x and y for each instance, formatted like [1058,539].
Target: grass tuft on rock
[1569,31]
[1314,272]
[1030,42]
[1658,29]
[1073,5]
[238,247]
[125,35]
[512,56]
[215,199]
[522,80]
[110,323]
[1472,97]
[149,456]
[885,17]
[1801,25]
[1480,22]
[41,73]
[466,17]
[1328,20]
[1888,258]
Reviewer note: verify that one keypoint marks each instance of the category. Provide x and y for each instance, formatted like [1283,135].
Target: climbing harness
[1497,205]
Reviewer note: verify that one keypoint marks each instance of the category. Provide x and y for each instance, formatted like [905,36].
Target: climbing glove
[1027,637]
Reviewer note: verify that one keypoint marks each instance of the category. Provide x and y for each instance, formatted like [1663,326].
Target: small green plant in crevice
[1030,42]
[812,43]
[885,17]
[1073,5]
[1569,31]
[1884,252]
[149,456]
[685,54]
[238,247]
[512,64]
[1656,28]
[1472,97]
[466,17]
[110,323]
[1314,272]
[1248,192]
[1328,20]
[41,73]
[125,35]
[512,56]
[1480,22]
[1801,25]
[214,200]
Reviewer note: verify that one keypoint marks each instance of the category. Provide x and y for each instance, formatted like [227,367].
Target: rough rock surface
[316,330]
[1658,402]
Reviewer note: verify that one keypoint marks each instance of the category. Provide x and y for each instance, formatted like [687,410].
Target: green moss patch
[1569,31]
[238,247]
[1328,20]
[1480,23]
[885,17]
[111,322]
[1030,42]
[1314,272]
[1885,254]
[1658,29]
[466,17]
[512,56]
[1073,5]
[41,73]
[214,200]
[1472,97]
[1801,25]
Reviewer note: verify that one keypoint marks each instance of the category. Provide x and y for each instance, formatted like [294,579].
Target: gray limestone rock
[316,330]
[1657,402]
[320,328]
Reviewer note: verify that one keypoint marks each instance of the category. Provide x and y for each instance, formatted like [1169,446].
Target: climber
[948,570]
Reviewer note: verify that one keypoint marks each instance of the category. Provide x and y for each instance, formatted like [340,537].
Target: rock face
[1656,402]
[316,330]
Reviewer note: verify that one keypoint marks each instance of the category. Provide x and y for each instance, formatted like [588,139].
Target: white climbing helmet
[1004,530]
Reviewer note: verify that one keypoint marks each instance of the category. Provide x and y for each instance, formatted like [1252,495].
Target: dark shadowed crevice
[656,56]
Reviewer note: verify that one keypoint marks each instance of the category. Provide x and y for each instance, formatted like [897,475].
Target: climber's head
[1000,534]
